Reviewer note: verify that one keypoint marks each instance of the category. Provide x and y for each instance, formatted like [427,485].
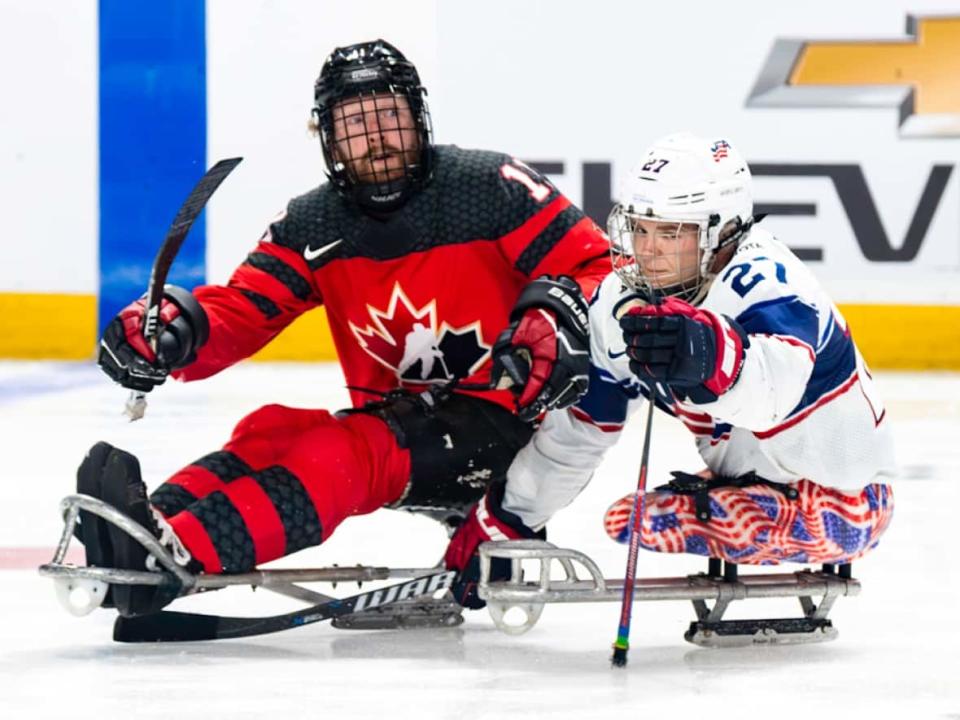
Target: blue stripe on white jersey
[783,316]
[836,362]
[835,358]
[607,399]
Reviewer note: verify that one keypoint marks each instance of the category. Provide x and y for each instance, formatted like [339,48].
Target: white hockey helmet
[683,181]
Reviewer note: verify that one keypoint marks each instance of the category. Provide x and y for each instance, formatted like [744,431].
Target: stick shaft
[636,519]
[171,626]
[187,214]
[176,234]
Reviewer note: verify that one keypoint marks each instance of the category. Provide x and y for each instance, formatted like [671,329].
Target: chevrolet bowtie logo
[920,75]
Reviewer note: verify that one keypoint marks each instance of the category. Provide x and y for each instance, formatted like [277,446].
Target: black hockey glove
[695,352]
[127,358]
[545,350]
[487,520]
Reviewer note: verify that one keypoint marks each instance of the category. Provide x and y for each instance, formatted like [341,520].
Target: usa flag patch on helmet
[719,150]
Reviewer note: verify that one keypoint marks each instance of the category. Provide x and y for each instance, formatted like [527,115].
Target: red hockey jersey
[414,298]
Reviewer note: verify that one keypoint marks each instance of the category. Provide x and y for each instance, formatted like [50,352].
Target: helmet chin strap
[715,244]
[696,295]
[377,197]
[382,197]
[708,265]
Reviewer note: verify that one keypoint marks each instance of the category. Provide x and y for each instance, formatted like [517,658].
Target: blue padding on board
[153,140]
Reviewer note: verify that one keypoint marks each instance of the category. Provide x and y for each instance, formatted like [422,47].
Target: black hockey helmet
[389,87]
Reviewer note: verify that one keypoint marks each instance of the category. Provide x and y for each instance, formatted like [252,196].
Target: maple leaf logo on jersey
[406,339]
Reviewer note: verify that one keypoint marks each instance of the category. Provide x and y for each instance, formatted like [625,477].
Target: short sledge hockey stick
[172,626]
[190,210]
[622,643]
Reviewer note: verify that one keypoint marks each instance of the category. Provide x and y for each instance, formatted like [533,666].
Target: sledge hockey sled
[722,584]
[405,605]
[415,603]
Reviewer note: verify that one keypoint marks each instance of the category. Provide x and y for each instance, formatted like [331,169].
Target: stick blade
[166,626]
[201,193]
[187,214]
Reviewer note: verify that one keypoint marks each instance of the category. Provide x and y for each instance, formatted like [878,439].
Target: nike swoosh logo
[311,254]
[613,355]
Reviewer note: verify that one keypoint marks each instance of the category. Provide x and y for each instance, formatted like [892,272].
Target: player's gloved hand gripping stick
[122,356]
[698,354]
[543,355]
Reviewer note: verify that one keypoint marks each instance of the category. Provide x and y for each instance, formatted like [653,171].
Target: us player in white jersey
[747,350]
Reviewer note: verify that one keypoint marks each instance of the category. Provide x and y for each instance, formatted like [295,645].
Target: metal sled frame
[281,581]
[721,585]
[709,630]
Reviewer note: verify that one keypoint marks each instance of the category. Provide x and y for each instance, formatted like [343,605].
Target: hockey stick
[137,403]
[622,643]
[171,626]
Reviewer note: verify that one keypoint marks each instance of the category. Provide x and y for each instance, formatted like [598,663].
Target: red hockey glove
[697,353]
[127,358]
[487,520]
[545,349]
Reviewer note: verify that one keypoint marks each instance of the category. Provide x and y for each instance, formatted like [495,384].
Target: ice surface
[898,651]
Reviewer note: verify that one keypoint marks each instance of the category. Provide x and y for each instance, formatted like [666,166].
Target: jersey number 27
[737,274]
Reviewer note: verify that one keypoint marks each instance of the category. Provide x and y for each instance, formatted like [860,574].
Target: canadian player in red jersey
[445,273]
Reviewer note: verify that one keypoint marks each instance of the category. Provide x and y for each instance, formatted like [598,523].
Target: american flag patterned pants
[759,525]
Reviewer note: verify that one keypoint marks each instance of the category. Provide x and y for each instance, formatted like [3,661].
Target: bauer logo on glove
[543,355]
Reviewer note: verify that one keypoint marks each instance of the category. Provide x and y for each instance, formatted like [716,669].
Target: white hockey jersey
[804,405]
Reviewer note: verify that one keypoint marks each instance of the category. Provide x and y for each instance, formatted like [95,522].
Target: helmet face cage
[390,138]
[686,199]
[658,256]
[374,124]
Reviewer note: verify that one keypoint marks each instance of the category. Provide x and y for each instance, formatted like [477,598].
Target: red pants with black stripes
[283,482]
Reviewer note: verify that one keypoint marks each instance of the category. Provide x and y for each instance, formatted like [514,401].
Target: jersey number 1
[538,191]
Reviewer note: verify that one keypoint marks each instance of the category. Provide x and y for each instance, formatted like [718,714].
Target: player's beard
[383,165]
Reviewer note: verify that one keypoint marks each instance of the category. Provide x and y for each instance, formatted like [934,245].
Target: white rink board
[48,146]
[576,83]
[563,81]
